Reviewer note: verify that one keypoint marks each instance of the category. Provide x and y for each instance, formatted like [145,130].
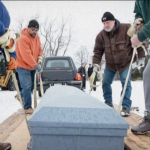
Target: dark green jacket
[142,10]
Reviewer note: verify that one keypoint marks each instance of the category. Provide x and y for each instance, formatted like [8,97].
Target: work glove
[11,65]
[7,42]
[95,68]
[141,63]
[38,68]
[134,28]
[40,60]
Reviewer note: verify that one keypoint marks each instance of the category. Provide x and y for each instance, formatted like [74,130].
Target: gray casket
[68,119]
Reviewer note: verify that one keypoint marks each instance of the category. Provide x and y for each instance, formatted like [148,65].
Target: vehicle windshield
[59,63]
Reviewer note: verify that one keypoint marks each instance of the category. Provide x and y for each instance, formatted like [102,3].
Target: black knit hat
[107,16]
[33,23]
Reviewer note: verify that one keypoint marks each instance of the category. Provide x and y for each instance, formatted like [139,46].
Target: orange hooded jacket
[28,50]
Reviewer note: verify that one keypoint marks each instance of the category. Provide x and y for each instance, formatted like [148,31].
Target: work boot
[125,112]
[5,146]
[29,111]
[144,126]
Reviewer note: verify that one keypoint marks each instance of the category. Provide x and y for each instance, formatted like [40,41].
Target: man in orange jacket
[29,58]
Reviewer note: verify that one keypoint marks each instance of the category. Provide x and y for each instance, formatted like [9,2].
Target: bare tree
[82,55]
[20,25]
[56,39]
[36,16]
[21,22]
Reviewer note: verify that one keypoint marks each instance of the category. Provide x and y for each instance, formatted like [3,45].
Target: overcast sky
[85,16]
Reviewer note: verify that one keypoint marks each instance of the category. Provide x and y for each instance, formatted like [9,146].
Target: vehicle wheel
[11,85]
[4,88]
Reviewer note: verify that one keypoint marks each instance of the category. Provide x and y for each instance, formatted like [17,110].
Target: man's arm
[98,51]
[4,15]
[136,10]
[25,52]
[4,23]
[140,50]
[144,33]
[13,55]
[2,29]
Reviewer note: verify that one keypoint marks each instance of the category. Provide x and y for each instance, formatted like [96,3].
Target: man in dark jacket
[90,71]
[4,23]
[142,10]
[114,42]
[82,72]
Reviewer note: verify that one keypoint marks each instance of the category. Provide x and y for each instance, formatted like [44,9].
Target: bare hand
[135,41]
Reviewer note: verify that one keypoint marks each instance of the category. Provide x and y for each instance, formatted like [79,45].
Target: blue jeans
[107,90]
[26,78]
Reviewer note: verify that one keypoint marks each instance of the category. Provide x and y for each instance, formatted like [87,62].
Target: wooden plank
[14,130]
[19,138]
[10,124]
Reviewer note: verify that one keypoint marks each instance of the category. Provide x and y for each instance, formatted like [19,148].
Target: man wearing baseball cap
[29,58]
[114,42]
